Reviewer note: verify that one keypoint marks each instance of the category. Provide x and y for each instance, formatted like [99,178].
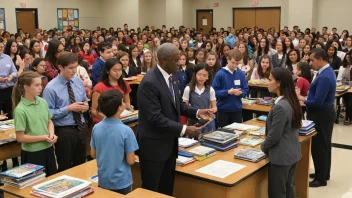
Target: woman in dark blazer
[281,144]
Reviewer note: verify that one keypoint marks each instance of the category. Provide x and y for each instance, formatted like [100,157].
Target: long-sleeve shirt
[50,71]
[321,94]
[97,71]
[225,80]
[7,68]
[57,97]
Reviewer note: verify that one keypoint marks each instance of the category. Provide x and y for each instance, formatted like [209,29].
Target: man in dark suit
[160,106]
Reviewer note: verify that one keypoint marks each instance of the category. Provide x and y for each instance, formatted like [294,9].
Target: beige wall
[223,15]
[145,13]
[158,13]
[188,13]
[174,13]
[89,12]
[300,15]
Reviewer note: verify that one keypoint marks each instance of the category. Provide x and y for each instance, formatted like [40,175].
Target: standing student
[225,52]
[185,72]
[38,66]
[248,63]
[105,52]
[55,48]
[190,55]
[114,171]
[230,86]
[111,79]
[86,54]
[147,61]
[66,97]
[11,49]
[134,60]
[334,61]
[262,72]
[127,71]
[279,59]
[199,56]
[304,79]
[281,144]
[320,102]
[199,93]
[34,128]
[210,60]
[34,46]
[292,60]
[160,107]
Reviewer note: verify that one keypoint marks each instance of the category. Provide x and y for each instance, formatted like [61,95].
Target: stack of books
[186,142]
[184,161]
[266,101]
[251,141]
[201,152]
[128,116]
[249,154]
[6,125]
[63,186]
[259,132]
[23,176]
[249,101]
[307,128]
[220,140]
[241,127]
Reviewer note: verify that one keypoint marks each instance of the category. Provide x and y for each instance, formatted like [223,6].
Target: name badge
[237,82]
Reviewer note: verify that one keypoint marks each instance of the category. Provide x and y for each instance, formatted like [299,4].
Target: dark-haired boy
[114,172]
[105,51]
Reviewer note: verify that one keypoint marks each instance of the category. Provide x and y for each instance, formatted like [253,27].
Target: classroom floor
[340,183]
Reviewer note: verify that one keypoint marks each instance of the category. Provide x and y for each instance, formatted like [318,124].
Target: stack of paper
[186,142]
[220,140]
[307,127]
[184,161]
[249,154]
[241,127]
[259,132]
[23,176]
[129,116]
[251,141]
[201,152]
[63,186]
[249,101]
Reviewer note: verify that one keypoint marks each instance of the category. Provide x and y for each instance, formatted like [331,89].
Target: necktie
[171,88]
[76,115]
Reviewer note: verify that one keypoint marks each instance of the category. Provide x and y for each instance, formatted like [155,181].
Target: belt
[68,126]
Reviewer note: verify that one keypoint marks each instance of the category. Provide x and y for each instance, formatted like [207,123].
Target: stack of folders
[251,141]
[186,142]
[259,132]
[249,154]
[307,127]
[220,140]
[201,152]
[23,176]
[184,161]
[63,186]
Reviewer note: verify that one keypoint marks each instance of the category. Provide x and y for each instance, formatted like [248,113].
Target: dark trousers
[70,148]
[281,181]
[124,191]
[158,176]
[348,101]
[5,101]
[226,118]
[321,143]
[44,158]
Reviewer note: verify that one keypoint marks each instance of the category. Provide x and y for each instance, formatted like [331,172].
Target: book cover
[251,141]
[250,154]
[219,135]
[201,151]
[23,170]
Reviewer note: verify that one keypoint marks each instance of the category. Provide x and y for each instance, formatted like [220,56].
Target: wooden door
[26,20]
[205,20]
[244,18]
[268,17]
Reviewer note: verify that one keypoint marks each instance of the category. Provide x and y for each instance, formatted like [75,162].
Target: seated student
[147,61]
[34,128]
[105,52]
[230,86]
[334,60]
[304,79]
[134,60]
[127,71]
[279,59]
[344,77]
[293,57]
[346,63]
[114,171]
[110,79]
[200,94]
[247,62]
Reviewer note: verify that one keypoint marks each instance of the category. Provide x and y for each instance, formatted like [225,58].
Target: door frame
[247,8]
[28,9]
[201,10]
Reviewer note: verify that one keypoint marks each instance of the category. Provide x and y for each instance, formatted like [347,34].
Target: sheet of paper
[125,113]
[75,14]
[242,127]
[220,169]
[59,14]
[205,21]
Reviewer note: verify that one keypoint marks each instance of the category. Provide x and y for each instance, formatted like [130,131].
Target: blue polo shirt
[112,141]
[7,68]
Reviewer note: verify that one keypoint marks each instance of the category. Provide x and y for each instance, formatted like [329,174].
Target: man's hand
[78,107]
[192,131]
[206,114]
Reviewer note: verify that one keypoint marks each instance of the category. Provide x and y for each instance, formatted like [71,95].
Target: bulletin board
[67,17]
[2,19]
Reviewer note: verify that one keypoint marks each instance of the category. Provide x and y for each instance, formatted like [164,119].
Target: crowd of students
[68,67]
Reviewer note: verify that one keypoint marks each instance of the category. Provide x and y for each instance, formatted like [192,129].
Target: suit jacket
[282,141]
[137,67]
[131,72]
[275,61]
[159,117]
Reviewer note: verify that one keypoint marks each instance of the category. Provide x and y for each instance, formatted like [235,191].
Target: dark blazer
[282,141]
[131,72]
[137,67]
[275,61]
[159,117]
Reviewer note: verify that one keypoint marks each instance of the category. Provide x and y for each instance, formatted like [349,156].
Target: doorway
[205,20]
[27,19]
[261,17]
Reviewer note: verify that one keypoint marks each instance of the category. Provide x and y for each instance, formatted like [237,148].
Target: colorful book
[201,151]
[251,141]
[259,132]
[220,136]
[249,154]
[21,171]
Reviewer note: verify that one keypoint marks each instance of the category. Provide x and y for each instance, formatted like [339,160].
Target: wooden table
[338,96]
[252,181]
[262,85]
[83,171]
[137,81]
[11,149]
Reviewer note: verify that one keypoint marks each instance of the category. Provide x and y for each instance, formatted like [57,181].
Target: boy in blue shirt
[230,86]
[113,145]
